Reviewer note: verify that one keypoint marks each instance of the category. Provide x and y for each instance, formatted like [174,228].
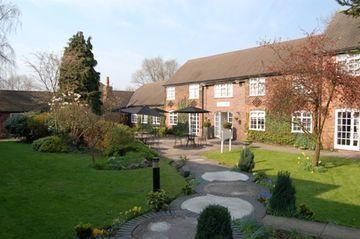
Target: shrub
[84,231]
[29,126]
[214,222]
[252,229]
[180,129]
[305,213]
[259,177]
[187,189]
[158,200]
[50,144]
[304,141]
[17,126]
[118,140]
[282,202]
[246,162]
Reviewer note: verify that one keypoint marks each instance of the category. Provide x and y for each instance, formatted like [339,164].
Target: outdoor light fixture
[156,174]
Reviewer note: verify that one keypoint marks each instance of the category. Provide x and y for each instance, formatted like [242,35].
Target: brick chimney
[106,92]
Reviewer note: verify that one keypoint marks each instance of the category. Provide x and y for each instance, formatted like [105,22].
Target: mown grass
[333,195]
[45,195]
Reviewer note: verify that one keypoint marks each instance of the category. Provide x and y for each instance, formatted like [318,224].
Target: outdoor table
[190,139]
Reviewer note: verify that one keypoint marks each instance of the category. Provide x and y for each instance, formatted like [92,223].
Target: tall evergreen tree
[354,7]
[77,72]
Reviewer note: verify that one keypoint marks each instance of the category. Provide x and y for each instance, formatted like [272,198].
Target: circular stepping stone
[227,176]
[238,208]
[159,226]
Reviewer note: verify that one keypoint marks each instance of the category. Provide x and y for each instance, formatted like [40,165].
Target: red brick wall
[240,106]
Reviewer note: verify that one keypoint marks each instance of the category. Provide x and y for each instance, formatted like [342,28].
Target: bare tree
[18,82]
[153,70]
[9,15]
[310,79]
[46,69]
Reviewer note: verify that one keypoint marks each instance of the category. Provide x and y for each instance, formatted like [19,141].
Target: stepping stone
[226,176]
[238,208]
[159,226]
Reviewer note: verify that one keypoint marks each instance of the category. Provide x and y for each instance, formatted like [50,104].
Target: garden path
[214,185]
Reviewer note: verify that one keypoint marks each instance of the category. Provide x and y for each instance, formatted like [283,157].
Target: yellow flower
[97,232]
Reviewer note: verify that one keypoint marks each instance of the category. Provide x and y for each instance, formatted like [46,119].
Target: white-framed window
[301,118]
[156,120]
[194,91]
[134,118]
[351,63]
[170,93]
[257,120]
[144,119]
[257,87]
[223,90]
[173,118]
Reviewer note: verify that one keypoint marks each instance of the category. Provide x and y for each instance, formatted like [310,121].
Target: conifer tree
[77,71]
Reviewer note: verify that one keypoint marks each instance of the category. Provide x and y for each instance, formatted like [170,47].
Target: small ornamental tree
[309,78]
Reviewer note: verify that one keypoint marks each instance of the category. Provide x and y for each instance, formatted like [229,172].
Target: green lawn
[45,195]
[333,195]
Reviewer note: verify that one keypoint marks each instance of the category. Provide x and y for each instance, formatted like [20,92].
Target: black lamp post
[156,174]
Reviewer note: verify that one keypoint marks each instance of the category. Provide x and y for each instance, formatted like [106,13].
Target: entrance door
[347,125]
[194,124]
[219,119]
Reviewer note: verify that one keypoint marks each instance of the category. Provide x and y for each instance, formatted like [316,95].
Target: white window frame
[257,86]
[257,115]
[351,63]
[194,91]
[144,119]
[302,116]
[170,93]
[173,118]
[156,120]
[223,90]
[134,118]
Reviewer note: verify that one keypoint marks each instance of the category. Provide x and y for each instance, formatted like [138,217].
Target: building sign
[223,104]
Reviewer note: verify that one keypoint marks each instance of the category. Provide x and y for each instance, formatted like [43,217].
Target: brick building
[232,86]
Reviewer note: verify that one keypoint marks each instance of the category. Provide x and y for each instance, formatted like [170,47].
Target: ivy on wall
[278,131]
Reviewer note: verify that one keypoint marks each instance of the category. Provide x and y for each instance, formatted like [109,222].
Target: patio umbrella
[140,110]
[191,109]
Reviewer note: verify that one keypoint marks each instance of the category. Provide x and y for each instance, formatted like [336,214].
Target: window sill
[257,129]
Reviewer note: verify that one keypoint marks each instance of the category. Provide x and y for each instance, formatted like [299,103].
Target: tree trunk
[316,157]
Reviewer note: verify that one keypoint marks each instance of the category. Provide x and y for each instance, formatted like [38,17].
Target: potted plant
[206,128]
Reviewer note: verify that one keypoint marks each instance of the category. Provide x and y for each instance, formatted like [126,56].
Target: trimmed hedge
[214,222]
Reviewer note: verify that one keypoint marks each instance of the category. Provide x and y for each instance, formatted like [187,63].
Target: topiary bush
[282,201]
[214,222]
[246,162]
[50,144]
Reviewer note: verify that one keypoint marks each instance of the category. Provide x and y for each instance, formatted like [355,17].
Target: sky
[124,32]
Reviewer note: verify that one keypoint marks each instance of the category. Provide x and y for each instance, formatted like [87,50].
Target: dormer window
[170,93]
